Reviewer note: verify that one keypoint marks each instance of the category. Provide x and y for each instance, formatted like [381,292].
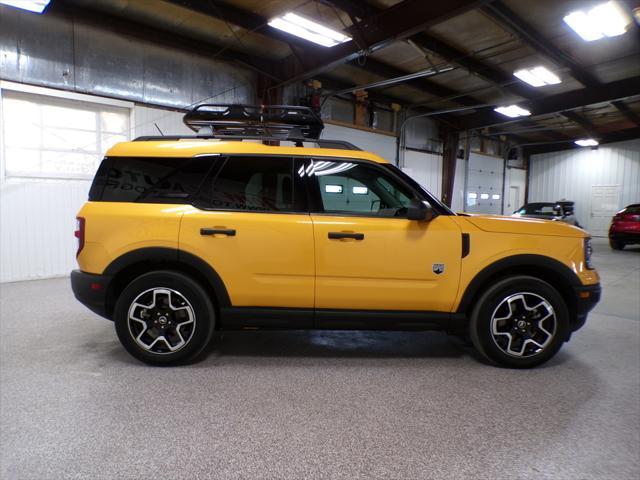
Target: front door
[251,224]
[369,256]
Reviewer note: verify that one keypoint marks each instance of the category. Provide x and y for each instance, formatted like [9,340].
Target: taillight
[79,233]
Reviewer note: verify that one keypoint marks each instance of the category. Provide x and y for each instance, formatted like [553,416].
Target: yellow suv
[183,236]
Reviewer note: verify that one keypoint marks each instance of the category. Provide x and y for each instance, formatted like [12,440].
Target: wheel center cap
[162,320]
[521,324]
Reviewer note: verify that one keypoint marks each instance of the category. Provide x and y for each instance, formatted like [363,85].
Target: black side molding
[466,244]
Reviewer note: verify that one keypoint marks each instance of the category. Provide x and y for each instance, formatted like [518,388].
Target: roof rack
[284,122]
[254,122]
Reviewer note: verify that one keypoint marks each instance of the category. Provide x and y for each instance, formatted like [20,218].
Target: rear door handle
[342,235]
[229,232]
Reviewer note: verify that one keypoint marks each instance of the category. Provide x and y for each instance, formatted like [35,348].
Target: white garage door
[484,184]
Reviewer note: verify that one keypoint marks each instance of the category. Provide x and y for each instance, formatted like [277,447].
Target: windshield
[538,209]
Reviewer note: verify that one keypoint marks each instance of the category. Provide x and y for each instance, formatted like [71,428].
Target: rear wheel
[616,244]
[519,322]
[164,318]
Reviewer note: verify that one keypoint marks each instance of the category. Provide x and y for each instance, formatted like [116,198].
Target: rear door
[251,224]
[369,256]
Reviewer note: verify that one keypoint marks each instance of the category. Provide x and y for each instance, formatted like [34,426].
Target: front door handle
[229,232]
[343,235]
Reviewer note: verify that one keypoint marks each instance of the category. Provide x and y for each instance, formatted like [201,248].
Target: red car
[625,227]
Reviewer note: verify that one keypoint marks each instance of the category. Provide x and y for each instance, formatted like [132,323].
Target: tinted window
[631,209]
[357,188]
[538,209]
[262,184]
[149,180]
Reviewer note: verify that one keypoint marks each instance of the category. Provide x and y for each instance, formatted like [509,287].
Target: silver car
[561,211]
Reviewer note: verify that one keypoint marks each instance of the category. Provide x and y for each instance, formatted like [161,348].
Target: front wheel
[519,322]
[164,318]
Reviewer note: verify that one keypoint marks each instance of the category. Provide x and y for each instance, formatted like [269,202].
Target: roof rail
[283,122]
[322,143]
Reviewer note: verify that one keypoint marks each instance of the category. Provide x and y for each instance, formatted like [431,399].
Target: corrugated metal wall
[426,169]
[54,51]
[571,174]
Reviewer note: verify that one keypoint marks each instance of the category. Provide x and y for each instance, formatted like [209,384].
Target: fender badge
[438,268]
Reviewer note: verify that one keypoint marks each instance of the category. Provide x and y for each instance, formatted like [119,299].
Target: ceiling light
[309,30]
[604,20]
[537,76]
[587,142]
[37,6]
[513,111]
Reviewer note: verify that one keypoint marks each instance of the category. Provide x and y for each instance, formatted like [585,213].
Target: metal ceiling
[485,41]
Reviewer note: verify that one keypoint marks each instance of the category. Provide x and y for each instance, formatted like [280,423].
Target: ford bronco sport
[183,236]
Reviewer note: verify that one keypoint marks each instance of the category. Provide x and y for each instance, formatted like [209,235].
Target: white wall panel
[37,220]
[169,122]
[426,169]
[570,175]
[383,145]
[457,198]
[37,217]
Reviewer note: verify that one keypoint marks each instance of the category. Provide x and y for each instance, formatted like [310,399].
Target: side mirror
[419,210]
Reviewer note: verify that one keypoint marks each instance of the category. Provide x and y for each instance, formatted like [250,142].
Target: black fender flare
[563,274]
[172,256]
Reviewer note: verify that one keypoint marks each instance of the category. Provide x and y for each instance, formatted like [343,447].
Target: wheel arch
[555,273]
[132,264]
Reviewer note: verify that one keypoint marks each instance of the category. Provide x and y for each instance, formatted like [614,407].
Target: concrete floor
[73,404]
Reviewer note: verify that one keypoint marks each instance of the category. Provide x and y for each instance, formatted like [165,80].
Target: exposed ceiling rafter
[509,20]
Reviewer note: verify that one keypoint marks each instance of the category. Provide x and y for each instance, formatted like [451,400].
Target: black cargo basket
[282,122]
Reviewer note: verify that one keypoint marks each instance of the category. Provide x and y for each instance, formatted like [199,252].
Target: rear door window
[150,179]
[255,184]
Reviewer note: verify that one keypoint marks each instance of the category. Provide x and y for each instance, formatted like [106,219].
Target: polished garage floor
[316,405]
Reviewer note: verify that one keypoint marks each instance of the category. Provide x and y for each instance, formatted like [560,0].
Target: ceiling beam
[560,102]
[381,29]
[256,23]
[619,136]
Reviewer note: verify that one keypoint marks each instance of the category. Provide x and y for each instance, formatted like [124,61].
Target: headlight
[588,250]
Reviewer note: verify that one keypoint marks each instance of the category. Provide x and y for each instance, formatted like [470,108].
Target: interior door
[253,227]
[604,205]
[514,200]
[369,256]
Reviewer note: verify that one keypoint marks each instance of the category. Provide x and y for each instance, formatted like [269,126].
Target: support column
[449,156]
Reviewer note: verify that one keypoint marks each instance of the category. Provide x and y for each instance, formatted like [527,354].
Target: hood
[524,226]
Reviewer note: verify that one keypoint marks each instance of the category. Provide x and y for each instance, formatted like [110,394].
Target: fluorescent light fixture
[472,195]
[360,190]
[495,197]
[309,30]
[37,6]
[587,142]
[333,188]
[484,196]
[604,20]
[537,77]
[513,111]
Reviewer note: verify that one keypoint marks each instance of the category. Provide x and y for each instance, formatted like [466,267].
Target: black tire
[492,300]
[616,244]
[190,297]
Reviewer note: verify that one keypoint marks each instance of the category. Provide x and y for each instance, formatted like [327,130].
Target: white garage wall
[426,169]
[570,175]
[378,143]
[457,199]
[37,216]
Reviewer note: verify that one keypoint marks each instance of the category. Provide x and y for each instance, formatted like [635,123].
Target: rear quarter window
[149,179]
